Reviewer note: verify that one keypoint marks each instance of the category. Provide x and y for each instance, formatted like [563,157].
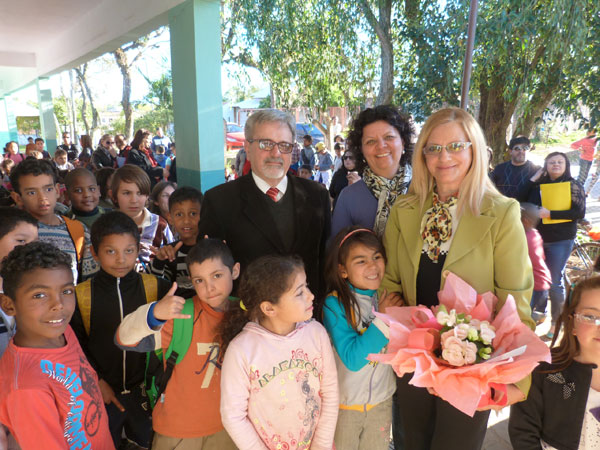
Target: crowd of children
[118,326]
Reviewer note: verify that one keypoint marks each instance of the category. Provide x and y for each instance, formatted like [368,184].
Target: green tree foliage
[151,119]
[28,125]
[528,55]
[160,99]
[309,51]
[580,93]
[313,53]
[523,53]
[61,111]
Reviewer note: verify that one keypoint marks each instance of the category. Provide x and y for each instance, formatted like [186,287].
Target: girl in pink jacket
[279,386]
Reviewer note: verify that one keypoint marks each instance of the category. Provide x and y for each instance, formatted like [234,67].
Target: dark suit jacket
[238,213]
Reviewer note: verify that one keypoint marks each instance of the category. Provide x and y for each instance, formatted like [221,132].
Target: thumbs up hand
[170,306]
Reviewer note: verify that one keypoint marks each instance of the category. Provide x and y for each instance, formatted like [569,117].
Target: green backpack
[158,372]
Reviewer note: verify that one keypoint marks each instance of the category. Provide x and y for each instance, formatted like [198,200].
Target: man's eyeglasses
[453,147]
[348,158]
[587,319]
[268,145]
[521,148]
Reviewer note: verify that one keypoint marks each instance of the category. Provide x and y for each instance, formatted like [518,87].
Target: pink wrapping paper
[413,331]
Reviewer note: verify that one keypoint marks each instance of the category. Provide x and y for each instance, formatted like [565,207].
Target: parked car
[308,128]
[235,136]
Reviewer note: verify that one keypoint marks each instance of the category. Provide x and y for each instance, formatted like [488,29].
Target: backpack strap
[182,333]
[150,287]
[77,232]
[179,345]
[83,293]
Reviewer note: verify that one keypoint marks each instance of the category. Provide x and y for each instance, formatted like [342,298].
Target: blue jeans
[584,169]
[557,254]
[539,299]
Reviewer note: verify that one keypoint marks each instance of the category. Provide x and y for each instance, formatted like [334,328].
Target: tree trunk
[84,107]
[73,113]
[540,100]
[495,116]
[121,59]
[324,118]
[526,124]
[81,74]
[382,29]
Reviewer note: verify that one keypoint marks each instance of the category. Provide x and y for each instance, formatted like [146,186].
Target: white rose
[452,318]
[453,352]
[461,331]
[487,333]
[442,317]
[470,353]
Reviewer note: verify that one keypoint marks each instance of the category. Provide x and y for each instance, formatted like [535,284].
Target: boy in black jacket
[102,302]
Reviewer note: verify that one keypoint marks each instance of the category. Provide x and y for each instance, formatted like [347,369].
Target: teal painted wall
[11,119]
[47,114]
[195,28]
[4,132]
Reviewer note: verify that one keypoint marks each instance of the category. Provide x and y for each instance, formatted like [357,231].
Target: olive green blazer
[488,251]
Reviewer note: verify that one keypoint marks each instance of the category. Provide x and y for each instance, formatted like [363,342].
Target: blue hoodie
[361,383]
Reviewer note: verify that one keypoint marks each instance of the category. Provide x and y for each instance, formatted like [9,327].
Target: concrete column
[195,27]
[47,114]
[11,119]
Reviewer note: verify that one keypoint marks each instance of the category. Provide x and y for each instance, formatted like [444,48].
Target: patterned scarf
[438,225]
[386,191]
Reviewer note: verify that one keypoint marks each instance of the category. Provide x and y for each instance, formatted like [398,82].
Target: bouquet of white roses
[464,340]
[463,347]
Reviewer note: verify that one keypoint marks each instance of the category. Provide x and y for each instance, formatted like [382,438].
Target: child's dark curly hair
[386,113]
[265,280]
[34,167]
[25,258]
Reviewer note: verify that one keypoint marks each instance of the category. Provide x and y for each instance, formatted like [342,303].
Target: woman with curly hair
[379,138]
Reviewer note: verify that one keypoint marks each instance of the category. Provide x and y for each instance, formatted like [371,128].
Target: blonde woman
[453,219]
[106,153]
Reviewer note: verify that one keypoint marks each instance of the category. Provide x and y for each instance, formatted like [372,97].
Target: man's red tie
[272,193]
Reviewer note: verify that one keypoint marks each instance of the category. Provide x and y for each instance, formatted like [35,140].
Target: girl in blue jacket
[354,269]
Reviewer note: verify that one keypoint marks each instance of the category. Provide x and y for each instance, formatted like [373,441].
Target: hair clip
[243,306]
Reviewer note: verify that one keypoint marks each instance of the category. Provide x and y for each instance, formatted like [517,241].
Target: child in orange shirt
[189,408]
[49,393]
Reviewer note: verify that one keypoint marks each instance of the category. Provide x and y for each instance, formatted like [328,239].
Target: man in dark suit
[268,211]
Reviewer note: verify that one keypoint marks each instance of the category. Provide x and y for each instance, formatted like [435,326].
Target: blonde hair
[103,138]
[476,183]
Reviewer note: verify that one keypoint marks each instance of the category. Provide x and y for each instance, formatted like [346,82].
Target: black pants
[135,420]
[430,423]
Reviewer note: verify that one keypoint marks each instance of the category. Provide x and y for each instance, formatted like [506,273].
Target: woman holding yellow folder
[562,202]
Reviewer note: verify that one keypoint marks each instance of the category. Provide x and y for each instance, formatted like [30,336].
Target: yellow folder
[556,197]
